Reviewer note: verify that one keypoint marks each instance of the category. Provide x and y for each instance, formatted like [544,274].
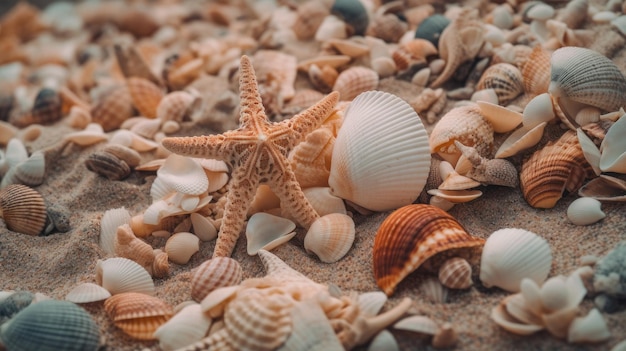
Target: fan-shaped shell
[456,273]
[512,254]
[536,71]
[23,209]
[111,219]
[181,246]
[505,79]
[113,108]
[87,292]
[323,201]
[184,175]
[354,81]
[119,275]
[215,273]
[330,237]
[174,106]
[558,167]
[380,159]
[138,315]
[146,96]
[51,325]
[587,77]
[185,328]
[413,234]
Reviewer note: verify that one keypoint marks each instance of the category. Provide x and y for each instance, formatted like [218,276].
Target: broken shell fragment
[585,211]
[605,188]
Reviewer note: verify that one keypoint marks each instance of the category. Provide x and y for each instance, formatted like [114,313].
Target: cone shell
[505,79]
[138,315]
[588,77]
[354,81]
[215,273]
[558,167]
[456,273]
[113,108]
[146,96]
[330,237]
[23,209]
[87,292]
[413,234]
[181,246]
[51,325]
[380,159]
[119,275]
[512,254]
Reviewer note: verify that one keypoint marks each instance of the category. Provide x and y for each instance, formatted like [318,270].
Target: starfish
[256,153]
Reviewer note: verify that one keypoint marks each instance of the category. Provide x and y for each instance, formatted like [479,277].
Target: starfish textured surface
[257,154]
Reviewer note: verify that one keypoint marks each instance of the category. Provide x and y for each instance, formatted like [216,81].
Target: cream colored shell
[330,237]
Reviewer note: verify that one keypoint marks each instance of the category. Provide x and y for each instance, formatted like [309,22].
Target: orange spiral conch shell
[23,209]
[415,234]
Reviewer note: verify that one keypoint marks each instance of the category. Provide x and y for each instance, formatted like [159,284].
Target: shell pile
[439,104]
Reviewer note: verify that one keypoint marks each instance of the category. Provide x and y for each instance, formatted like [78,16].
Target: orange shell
[414,234]
[215,273]
[536,72]
[138,315]
[23,209]
[146,96]
[113,109]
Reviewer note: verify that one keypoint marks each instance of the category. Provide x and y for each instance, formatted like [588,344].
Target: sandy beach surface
[55,264]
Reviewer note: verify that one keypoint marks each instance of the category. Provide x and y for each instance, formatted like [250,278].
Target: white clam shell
[15,152]
[590,150]
[330,237]
[92,134]
[585,211]
[384,341]
[371,302]
[381,157]
[265,232]
[184,328]
[521,139]
[112,219]
[181,246]
[120,275]
[591,328]
[538,110]
[87,292]
[184,175]
[511,254]
[418,324]
[613,148]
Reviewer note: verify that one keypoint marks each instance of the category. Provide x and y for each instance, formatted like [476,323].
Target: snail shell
[23,209]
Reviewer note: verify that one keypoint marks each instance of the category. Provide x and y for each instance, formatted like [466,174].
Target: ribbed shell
[23,209]
[536,72]
[413,234]
[119,275]
[456,273]
[311,158]
[558,167]
[330,237]
[174,106]
[381,156]
[588,77]
[146,96]
[107,165]
[87,292]
[47,107]
[51,325]
[113,108]
[129,246]
[505,79]
[354,81]
[215,273]
[138,315]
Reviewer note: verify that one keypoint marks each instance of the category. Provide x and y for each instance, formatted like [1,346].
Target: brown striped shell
[146,96]
[138,315]
[47,107]
[215,273]
[413,235]
[536,72]
[558,167]
[354,81]
[107,165]
[505,79]
[23,209]
[456,273]
[114,107]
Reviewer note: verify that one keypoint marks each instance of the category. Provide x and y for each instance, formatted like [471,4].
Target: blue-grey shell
[353,13]
[431,28]
[14,303]
[51,325]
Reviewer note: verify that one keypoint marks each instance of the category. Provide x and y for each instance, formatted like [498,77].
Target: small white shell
[330,237]
[112,219]
[511,254]
[538,110]
[87,292]
[585,211]
[418,324]
[381,157]
[372,302]
[184,328]
[591,328]
[181,246]
[613,148]
[184,175]
[265,231]
[119,275]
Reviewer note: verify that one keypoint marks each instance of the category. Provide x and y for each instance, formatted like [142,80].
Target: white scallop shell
[181,246]
[203,227]
[32,170]
[112,219]
[184,175]
[87,292]
[511,254]
[613,148]
[119,275]
[585,211]
[265,232]
[381,157]
[330,237]
[184,328]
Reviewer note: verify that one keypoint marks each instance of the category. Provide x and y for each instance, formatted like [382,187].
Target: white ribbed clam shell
[181,246]
[330,237]
[112,219]
[184,175]
[585,211]
[120,275]
[87,292]
[266,231]
[511,254]
[371,302]
[381,157]
[32,170]
[186,327]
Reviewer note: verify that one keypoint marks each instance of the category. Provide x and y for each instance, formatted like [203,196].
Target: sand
[55,264]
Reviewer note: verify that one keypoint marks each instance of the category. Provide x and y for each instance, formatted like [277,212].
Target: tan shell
[310,159]
[275,67]
[412,52]
[138,315]
[310,15]
[323,201]
[107,165]
[414,234]
[456,273]
[605,188]
[330,237]
[146,96]
[174,106]
[126,154]
[160,265]
[323,78]
[387,27]
[113,108]
[23,209]
[354,81]
[215,273]
[505,79]
[129,246]
[133,64]
[536,72]
[181,246]
[558,167]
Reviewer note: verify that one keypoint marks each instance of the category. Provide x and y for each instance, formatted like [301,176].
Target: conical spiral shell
[587,77]
[215,273]
[138,315]
[413,234]
[23,209]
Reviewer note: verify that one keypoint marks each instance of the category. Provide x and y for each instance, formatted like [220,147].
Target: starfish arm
[252,111]
[292,199]
[311,118]
[240,194]
[206,146]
